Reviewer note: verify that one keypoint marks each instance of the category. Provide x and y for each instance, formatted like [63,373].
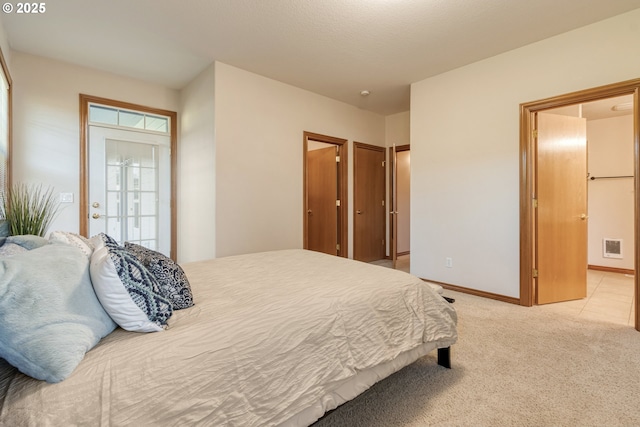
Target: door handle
[359,212]
[95,215]
[584,216]
[309,211]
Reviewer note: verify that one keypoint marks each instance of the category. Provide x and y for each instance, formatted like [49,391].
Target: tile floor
[609,296]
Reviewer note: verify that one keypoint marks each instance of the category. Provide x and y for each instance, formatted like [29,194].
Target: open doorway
[581,104]
[400,206]
[606,288]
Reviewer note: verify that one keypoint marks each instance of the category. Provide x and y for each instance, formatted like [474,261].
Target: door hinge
[337,159]
[338,203]
[534,133]
[535,203]
[383,162]
[382,242]
[338,246]
[383,203]
[535,273]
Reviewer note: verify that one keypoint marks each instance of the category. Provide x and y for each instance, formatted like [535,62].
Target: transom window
[100,114]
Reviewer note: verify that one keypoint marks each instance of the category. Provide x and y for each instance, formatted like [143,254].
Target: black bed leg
[444,357]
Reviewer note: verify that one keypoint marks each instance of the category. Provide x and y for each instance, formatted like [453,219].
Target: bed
[274,338]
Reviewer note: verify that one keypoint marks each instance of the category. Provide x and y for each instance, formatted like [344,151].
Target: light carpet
[512,366]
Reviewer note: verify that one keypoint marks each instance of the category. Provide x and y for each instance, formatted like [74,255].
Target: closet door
[561,215]
[322,193]
[369,200]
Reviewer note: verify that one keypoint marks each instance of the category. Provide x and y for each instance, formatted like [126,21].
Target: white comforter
[270,335]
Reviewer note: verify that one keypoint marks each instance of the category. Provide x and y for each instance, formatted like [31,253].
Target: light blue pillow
[28,241]
[4,228]
[12,245]
[49,313]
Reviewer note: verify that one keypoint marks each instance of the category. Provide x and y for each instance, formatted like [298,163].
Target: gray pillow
[49,313]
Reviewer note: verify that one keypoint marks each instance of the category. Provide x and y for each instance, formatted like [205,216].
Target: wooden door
[322,193]
[369,197]
[561,215]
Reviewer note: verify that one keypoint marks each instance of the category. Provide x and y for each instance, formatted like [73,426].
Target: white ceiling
[596,110]
[332,47]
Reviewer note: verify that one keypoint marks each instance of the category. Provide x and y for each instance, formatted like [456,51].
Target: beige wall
[259,125]
[46,117]
[610,148]
[464,178]
[196,169]
[239,148]
[465,148]
[397,129]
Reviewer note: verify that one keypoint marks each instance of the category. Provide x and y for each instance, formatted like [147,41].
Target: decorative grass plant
[29,209]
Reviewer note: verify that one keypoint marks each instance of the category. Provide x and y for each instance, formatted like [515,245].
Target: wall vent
[612,248]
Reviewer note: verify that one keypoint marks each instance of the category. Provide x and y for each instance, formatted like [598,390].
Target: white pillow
[129,293]
[73,239]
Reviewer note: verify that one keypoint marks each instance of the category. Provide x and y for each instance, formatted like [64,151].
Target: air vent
[612,248]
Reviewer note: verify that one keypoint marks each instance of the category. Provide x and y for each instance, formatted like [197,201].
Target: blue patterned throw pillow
[174,284]
[108,240]
[127,290]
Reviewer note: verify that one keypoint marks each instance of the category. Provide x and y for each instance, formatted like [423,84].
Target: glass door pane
[130,187]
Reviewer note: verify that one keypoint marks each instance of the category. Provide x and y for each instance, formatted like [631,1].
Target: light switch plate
[66,197]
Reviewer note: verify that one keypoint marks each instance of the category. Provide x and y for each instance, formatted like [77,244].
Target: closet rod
[610,177]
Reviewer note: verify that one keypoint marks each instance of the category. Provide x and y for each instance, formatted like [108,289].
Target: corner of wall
[196,169]
[397,128]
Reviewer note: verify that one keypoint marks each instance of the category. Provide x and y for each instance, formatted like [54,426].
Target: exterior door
[369,199]
[561,215]
[130,187]
[322,194]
